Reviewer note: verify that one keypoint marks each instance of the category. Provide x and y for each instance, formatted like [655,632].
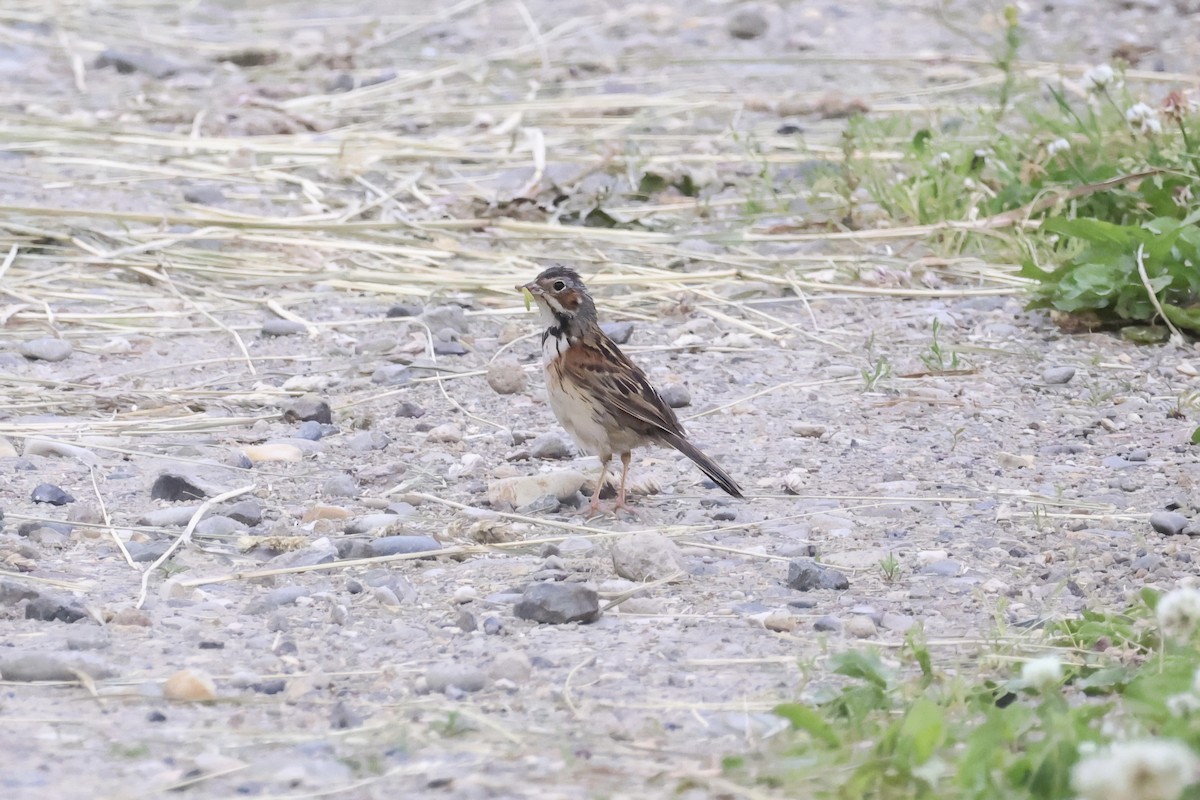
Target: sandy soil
[231,177]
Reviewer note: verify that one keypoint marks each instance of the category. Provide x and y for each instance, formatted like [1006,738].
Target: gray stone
[125,63]
[283,596]
[1148,562]
[827,623]
[175,486]
[943,567]
[646,557]
[507,377]
[49,493]
[370,522]
[366,441]
[26,667]
[340,486]
[392,375]
[396,545]
[247,512]
[747,22]
[493,626]
[322,551]
[308,407]
[510,665]
[900,623]
[441,677]
[409,409]
[282,327]
[47,608]
[311,430]
[46,349]
[1058,375]
[218,525]
[12,592]
[146,552]
[465,621]
[558,603]
[805,576]
[1170,523]
[176,516]
[440,317]
[550,446]
[619,332]
[449,348]
[404,310]
[676,395]
[860,626]
[208,196]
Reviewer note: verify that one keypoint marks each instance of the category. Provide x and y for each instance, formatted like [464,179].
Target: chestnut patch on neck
[570,300]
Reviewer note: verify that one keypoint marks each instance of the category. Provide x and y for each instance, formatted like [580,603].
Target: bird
[604,401]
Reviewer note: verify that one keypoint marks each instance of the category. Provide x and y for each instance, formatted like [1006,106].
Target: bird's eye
[559,286]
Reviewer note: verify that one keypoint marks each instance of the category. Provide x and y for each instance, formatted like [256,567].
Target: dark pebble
[407,408]
[395,545]
[174,486]
[804,576]
[492,626]
[558,603]
[308,407]
[619,332]
[49,493]
[53,609]
[1169,523]
[404,310]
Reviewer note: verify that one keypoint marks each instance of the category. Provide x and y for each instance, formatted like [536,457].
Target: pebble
[676,395]
[282,327]
[321,511]
[525,489]
[370,522]
[247,512]
[176,516]
[1058,375]
[340,486]
[550,446]
[465,594]
[392,375]
[132,617]
[396,545]
[493,626]
[283,596]
[308,407]
[447,433]
[804,576]
[507,377]
[47,608]
[175,486]
[747,22]
[900,623]
[644,557]
[53,449]
[451,348]
[408,408]
[190,686]
[366,441]
[510,665]
[322,551]
[945,568]
[46,348]
[440,317]
[861,627]
[128,62]
[827,623]
[49,493]
[441,677]
[808,431]
[220,525]
[404,310]
[558,603]
[263,453]
[26,667]
[146,552]
[465,621]
[1169,523]
[619,332]
[311,430]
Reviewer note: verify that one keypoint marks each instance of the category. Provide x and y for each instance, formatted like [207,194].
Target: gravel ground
[411,428]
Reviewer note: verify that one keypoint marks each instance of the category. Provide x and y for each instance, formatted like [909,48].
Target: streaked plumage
[602,398]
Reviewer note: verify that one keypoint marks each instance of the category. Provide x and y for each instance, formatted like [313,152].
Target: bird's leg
[624,475]
[595,504]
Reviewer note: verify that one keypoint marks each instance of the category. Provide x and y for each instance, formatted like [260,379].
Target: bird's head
[560,295]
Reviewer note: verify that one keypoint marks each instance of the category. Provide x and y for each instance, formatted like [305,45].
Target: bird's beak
[532,288]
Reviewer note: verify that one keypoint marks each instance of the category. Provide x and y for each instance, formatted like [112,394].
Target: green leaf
[803,718]
[1196,436]
[923,729]
[861,664]
[1090,230]
[1106,680]
[652,183]
[1183,317]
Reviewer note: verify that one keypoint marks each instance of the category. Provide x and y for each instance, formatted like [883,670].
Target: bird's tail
[709,467]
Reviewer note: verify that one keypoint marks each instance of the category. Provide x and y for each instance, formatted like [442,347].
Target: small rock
[392,375]
[205,196]
[493,626]
[146,552]
[447,433]
[133,617]
[507,377]
[281,327]
[1169,523]
[619,332]
[525,489]
[321,511]
[308,407]
[550,446]
[311,430]
[804,576]
[340,486]
[510,665]
[465,621]
[47,608]
[440,317]
[558,603]
[828,624]
[219,525]
[452,348]
[676,395]
[247,512]
[747,22]
[900,623]
[860,626]
[404,310]
[49,493]
[465,594]
[945,568]
[128,62]
[282,596]
[646,557]
[175,486]
[1058,375]
[53,449]
[409,409]
[50,667]
[176,516]
[441,677]
[370,522]
[46,349]
[322,551]
[365,441]
[265,453]
[1011,461]
[778,621]
[190,686]
[396,545]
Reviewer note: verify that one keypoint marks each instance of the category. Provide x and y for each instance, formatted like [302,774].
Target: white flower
[1178,613]
[1042,673]
[1057,146]
[1142,769]
[1183,705]
[1098,78]
[1143,118]
[944,158]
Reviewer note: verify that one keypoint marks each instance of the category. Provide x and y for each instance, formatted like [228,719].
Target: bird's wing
[599,367]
